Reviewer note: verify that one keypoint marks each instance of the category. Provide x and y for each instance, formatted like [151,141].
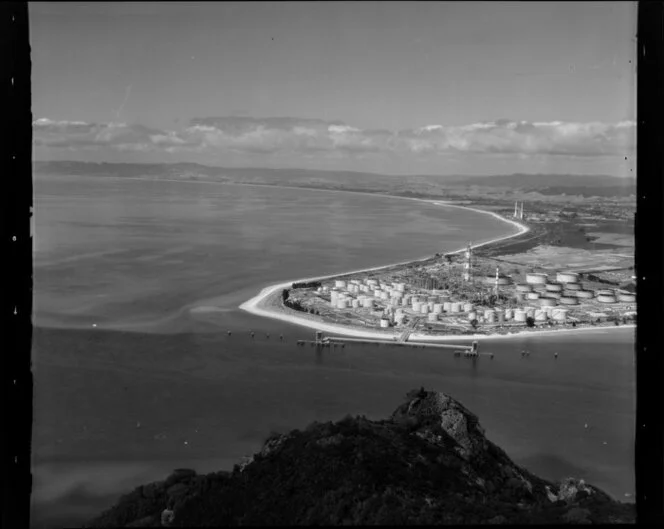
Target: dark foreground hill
[429,463]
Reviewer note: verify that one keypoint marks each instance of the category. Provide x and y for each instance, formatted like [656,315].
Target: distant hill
[430,463]
[545,184]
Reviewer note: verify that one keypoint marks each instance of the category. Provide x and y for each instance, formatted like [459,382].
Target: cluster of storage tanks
[565,290]
[551,297]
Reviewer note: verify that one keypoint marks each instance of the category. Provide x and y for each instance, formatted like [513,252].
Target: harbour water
[138,282]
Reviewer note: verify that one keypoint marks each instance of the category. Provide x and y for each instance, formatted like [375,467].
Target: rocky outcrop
[430,463]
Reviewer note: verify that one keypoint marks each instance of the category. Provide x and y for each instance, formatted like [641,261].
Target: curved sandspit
[256,305]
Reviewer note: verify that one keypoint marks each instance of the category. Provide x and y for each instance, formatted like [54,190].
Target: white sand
[253,305]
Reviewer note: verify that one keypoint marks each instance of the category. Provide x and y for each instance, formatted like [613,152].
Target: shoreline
[258,305]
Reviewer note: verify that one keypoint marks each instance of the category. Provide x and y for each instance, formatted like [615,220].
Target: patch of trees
[310,284]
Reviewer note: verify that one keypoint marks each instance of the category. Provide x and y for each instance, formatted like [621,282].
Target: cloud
[288,135]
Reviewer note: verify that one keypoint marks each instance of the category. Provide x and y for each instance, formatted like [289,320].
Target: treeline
[295,304]
[310,284]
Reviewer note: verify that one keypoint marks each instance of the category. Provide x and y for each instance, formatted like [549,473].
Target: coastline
[260,304]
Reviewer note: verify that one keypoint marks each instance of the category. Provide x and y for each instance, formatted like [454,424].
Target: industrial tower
[468,266]
[518,212]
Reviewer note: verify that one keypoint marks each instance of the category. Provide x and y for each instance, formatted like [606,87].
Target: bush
[530,321]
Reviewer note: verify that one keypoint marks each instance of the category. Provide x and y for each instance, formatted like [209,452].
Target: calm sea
[136,375]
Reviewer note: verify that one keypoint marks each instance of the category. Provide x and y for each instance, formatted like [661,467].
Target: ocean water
[135,374]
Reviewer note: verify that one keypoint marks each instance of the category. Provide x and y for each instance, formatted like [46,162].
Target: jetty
[402,341]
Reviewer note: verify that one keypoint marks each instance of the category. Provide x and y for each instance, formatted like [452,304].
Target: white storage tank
[530,312]
[548,302]
[342,303]
[520,315]
[573,286]
[432,316]
[605,298]
[500,316]
[554,287]
[472,316]
[524,288]
[605,293]
[384,295]
[532,295]
[340,284]
[468,307]
[447,306]
[355,303]
[490,316]
[368,303]
[399,318]
[384,323]
[585,294]
[536,279]
[371,282]
[509,314]
[568,300]
[560,315]
[455,307]
[417,306]
[540,316]
[438,308]
[627,298]
[424,308]
[567,277]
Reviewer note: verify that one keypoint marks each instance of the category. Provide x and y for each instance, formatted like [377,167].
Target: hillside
[411,185]
[428,463]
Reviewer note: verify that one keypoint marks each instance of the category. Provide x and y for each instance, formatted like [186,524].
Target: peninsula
[499,288]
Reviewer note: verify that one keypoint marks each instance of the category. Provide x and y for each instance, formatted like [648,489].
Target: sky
[388,87]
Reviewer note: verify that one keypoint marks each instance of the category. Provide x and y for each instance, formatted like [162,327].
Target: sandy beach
[267,302]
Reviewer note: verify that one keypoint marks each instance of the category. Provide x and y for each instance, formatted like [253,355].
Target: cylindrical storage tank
[554,287]
[455,307]
[530,312]
[415,298]
[372,282]
[509,314]
[520,315]
[447,306]
[524,288]
[384,295]
[424,309]
[626,298]
[394,302]
[319,289]
[567,277]
[605,293]
[585,294]
[432,316]
[368,303]
[467,307]
[417,306]
[500,315]
[340,284]
[536,279]
[432,299]
[342,303]
[568,300]
[355,303]
[520,296]
[573,286]
[603,298]
[377,293]
[540,316]
[399,318]
[443,298]
[560,315]
[539,288]
[384,323]
[472,316]
[405,302]
[401,287]
[438,308]
[490,316]
[552,295]
[532,295]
